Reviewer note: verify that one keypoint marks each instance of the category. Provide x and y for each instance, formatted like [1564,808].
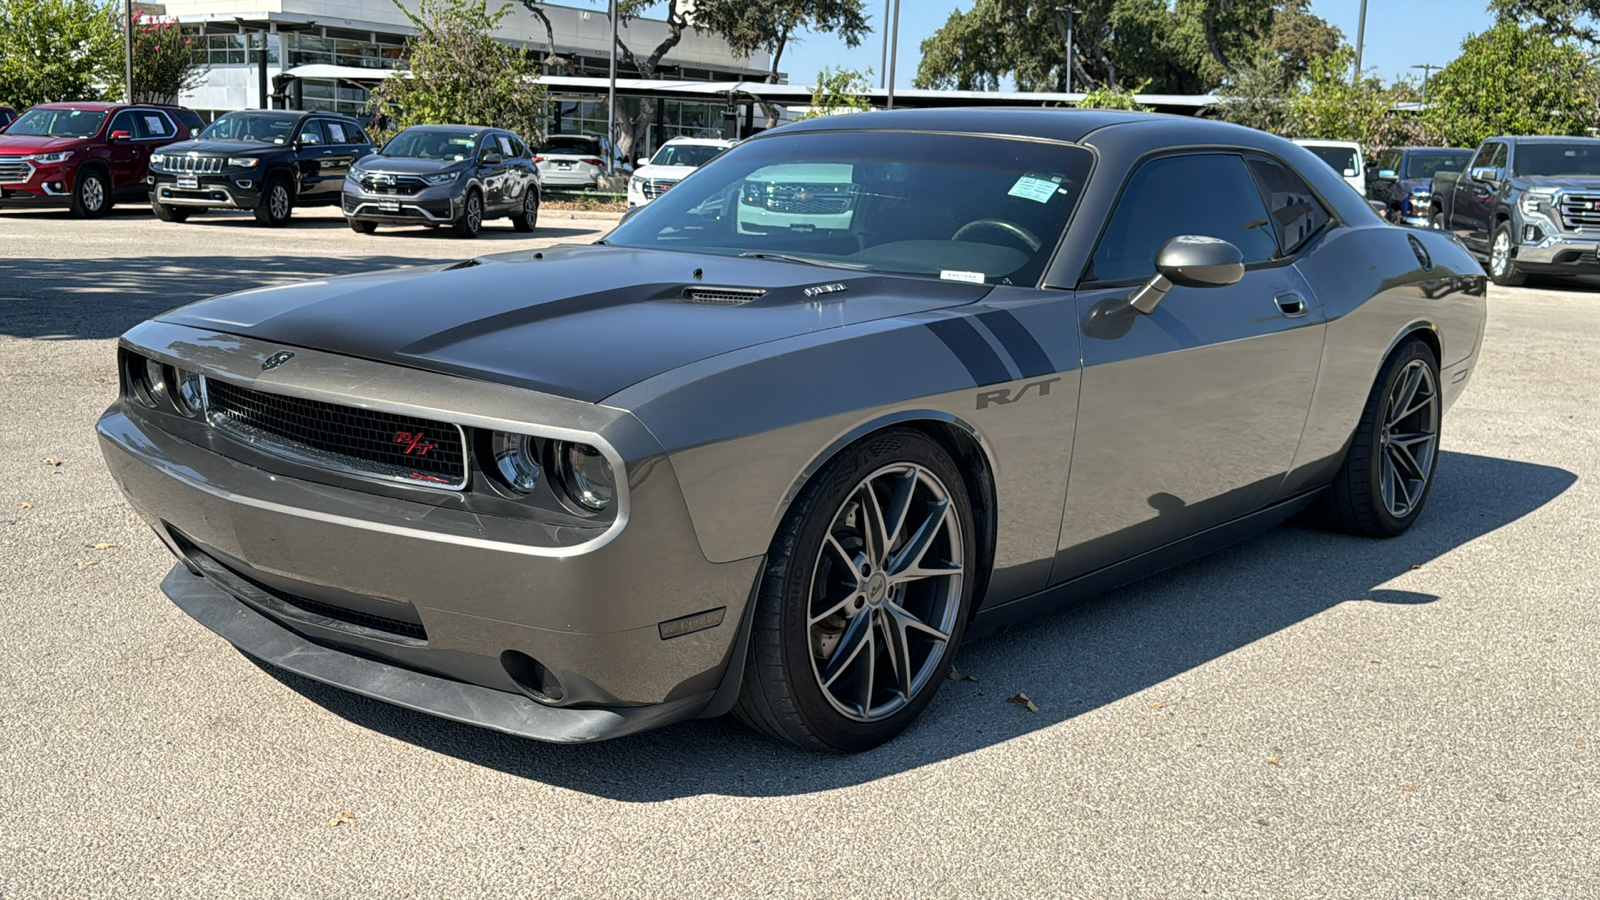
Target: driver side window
[310,133]
[1211,195]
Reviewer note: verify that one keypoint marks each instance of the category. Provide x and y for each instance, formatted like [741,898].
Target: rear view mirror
[1189,260]
[120,136]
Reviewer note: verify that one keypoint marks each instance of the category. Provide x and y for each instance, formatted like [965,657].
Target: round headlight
[516,458]
[587,476]
[189,395]
[155,378]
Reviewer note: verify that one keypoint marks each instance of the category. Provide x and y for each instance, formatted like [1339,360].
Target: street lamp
[1071,53]
[1361,40]
[894,51]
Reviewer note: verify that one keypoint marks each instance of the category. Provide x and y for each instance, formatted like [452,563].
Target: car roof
[455,129]
[86,105]
[701,142]
[1321,142]
[1545,138]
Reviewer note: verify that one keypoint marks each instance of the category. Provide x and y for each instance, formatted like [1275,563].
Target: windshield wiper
[758,254]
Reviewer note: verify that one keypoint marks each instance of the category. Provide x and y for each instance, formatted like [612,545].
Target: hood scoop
[722,296]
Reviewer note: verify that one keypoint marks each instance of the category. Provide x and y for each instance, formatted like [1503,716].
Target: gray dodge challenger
[860,389]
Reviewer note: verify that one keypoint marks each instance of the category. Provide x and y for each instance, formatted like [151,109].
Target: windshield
[420,143]
[1340,158]
[1558,159]
[1427,165]
[249,127]
[958,207]
[685,155]
[75,123]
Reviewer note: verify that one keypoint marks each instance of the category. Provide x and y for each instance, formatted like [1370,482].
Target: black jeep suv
[269,161]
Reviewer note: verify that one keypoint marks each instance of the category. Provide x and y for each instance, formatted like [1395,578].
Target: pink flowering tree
[166,59]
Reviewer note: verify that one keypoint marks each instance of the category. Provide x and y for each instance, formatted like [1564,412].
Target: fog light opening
[532,677]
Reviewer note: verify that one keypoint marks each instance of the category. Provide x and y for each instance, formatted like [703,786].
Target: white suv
[671,164]
[1345,158]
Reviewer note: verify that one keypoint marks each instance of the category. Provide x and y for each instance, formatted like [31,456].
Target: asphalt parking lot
[1304,715]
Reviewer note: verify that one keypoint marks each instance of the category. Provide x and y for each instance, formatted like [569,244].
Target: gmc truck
[1525,205]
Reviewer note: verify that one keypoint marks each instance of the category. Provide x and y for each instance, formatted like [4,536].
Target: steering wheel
[1017,231]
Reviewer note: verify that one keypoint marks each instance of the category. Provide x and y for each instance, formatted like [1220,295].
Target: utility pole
[611,97]
[894,50]
[883,68]
[1426,69]
[1070,47]
[127,50]
[1361,40]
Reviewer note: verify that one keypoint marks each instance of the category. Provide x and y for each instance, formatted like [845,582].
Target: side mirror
[1486,174]
[644,160]
[1349,173]
[118,137]
[492,158]
[1189,260]
[1388,174]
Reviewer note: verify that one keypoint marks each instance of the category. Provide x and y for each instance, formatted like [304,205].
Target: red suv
[85,156]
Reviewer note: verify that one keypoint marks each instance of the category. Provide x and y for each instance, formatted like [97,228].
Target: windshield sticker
[1039,188]
[967,277]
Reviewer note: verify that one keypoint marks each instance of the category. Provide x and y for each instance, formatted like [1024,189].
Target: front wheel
[167,213]
[1388,472]
[865,597]
[527,218]
[91,196]
[470,222]
[1502,268]
[1436,220]
[276,204]
[360,227]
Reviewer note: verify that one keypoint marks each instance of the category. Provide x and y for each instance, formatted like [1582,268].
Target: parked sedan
[570,161]
[455,175]
[671,164]
[697,468]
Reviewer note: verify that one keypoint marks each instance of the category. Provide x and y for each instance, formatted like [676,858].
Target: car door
[522,172]
[125,155]
[1472,212]
[491,175]
[344,147]
[1190,416]
[153,129]
[1382,177]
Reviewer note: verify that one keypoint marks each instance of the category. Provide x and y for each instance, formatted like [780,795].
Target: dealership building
[354,38]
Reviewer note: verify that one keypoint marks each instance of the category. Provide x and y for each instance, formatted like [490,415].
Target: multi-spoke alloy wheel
[1502,266]
[865,597]
[1410,438]
[885,592]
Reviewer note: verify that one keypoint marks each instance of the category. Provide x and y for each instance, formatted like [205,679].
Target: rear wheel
[1502,268]
[91,196]
[168,213]
[1388,472]
[527,218]
[470,222]
[276,203]
[360,227]
[865,597]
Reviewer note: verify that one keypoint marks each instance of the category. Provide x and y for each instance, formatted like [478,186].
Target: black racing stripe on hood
[982,363]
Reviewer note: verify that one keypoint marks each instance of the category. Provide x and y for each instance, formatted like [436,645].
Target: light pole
[1361,40]
[611,96]
[127,50]
[1426,68]
[894,50]
[1070,46]
[883,68]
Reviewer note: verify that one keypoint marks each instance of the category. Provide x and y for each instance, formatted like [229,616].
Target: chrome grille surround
[1579,210]
[655,187]
[381,183]
[15,170]
[198,165]
[828,199]
[354,441]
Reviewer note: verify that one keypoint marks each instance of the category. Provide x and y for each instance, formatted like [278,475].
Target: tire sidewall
[1510,277]
[82,207]
[791,582]
[267,217]
[1413,350]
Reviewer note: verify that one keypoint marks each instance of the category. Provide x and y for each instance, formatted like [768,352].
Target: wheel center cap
[877,587]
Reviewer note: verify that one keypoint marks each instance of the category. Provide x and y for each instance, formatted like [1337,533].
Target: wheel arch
[93,164]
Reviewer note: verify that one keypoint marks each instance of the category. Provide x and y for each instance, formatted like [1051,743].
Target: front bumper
[222,191]
[296,570]
[46,184]
[1554,254]
[433,205]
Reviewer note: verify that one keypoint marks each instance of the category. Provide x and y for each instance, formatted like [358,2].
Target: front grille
[249,589]
[199,165]
[655,187]
[14,171]
[347,439]
[404,185]
[1580,210]
[805,199]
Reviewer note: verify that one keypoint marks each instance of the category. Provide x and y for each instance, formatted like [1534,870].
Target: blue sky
[1400,34]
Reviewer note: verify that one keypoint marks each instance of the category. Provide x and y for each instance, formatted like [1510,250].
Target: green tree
[839,91]
[165,61]
[1513,80]
[1114,98]
[1181,46]
[1557,18]
[459,74]
[1257,94]
[58,50]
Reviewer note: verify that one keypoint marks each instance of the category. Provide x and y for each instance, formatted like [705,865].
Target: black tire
[470,223]
[277,203]
[91,195]
[784,693]
[527,218]
[167,213]
[1357,502]
[1509,275]
[1436,220]
[360,227]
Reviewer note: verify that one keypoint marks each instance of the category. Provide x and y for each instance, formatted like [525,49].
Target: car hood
[401,165]
[28,143]
[1562,182]
[670,173]
[221,148]
[581,321]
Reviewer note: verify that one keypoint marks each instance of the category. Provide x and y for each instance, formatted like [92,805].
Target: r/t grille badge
[276,360]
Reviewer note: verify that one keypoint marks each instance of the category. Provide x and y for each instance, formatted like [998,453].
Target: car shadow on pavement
[1101,651]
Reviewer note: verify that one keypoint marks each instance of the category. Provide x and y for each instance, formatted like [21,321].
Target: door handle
[1291,304]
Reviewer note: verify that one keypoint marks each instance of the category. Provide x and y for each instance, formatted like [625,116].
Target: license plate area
[389,205]
[188,182]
